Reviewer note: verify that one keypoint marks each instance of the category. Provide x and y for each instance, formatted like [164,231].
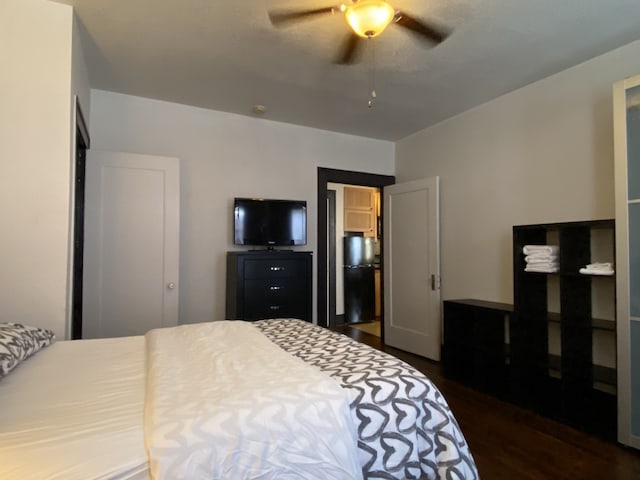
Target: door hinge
[435,282]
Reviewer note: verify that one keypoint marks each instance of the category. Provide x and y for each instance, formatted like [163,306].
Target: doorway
[324,279]
[354,243]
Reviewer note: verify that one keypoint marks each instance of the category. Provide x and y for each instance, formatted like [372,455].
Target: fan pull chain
[372,72]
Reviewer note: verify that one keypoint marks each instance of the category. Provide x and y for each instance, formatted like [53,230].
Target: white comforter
[73,411]
[224,402]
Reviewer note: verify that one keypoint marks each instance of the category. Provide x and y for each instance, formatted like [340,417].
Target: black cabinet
[269,284]
[475,349]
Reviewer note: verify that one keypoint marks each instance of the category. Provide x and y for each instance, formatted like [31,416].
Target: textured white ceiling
[225,55]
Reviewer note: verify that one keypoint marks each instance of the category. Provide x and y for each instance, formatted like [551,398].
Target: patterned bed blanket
[223,402]
[405,427]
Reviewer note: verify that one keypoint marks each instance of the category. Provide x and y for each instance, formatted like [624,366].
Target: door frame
[332,175]
[82,144]
[331,237]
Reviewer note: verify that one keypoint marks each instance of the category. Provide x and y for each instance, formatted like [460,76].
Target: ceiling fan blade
[283,17]
[350,50]
[428,32]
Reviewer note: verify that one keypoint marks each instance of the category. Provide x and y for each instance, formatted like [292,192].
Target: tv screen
[267,222]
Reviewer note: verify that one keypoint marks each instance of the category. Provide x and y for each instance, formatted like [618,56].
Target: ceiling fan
[367,19]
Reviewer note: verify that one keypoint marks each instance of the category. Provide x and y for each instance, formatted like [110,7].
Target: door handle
[171,286]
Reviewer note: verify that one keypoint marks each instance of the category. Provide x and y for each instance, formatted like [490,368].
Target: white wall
[79,73]
[540,154]
[35,161]
[225,156]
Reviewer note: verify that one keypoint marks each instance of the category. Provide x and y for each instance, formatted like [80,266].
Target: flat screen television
[269,222]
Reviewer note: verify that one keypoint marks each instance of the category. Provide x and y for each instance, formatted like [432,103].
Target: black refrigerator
[359,280]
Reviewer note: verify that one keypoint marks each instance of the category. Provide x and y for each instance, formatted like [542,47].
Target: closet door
[131,244]
[626,96]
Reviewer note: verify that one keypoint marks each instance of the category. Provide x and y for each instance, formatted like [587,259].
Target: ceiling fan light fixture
[369,18]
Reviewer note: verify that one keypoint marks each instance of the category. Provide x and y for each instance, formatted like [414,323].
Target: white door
[412,267]
[131,244]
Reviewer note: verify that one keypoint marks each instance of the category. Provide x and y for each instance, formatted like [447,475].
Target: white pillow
[18,342]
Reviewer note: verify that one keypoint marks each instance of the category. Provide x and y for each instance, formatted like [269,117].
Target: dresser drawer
[274,268]
[274,289]
[255,311]
[284,297]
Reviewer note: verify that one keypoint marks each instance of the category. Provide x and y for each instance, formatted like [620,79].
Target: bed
[272,399]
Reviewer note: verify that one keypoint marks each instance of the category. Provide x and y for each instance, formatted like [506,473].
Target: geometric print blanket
[405,428]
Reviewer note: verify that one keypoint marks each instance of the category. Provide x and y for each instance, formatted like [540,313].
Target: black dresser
[269,284]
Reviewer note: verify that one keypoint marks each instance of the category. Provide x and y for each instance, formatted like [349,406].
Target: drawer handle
[274,307]
[277,269]
[274,287]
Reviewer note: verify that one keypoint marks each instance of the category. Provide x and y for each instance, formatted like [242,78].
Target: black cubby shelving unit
[504,349]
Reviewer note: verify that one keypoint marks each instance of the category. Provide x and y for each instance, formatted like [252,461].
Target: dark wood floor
[508,442]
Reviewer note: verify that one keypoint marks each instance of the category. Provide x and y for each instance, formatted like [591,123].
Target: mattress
[75,411]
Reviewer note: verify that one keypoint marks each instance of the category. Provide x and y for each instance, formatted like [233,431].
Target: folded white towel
[596,271]
[543,265]
[540,258]
[548,249]
[600,265]
[551,268]
[598,268]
